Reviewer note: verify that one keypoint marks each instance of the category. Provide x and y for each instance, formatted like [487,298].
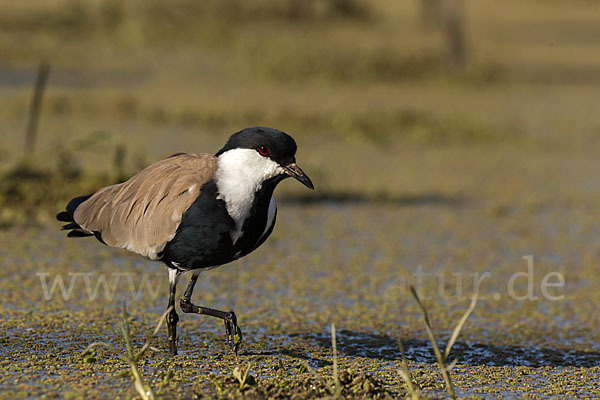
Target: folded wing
[143,213]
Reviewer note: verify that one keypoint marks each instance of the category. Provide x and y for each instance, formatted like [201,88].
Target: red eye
[264,151]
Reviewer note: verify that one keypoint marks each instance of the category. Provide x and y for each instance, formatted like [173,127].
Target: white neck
[240,174]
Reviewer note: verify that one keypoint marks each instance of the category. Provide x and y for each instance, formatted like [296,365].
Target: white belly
[270,216]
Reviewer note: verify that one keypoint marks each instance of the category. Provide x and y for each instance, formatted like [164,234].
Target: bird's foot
[233,332]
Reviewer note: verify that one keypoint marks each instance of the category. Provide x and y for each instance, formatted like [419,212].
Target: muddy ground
[349,261]
[426,174]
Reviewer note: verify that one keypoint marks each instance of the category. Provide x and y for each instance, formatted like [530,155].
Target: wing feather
[143,213]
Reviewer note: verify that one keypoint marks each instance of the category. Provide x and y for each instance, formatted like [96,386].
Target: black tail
[67,216]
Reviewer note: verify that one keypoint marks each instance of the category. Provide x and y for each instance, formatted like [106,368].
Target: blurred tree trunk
[36,107]
[454,27]
[431,13]
[299,9]
[447,16]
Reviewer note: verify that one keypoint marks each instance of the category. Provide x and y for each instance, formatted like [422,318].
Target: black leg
[232,331]
[187,295]
[172,317]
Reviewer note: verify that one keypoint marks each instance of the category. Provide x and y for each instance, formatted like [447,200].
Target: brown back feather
[143,213]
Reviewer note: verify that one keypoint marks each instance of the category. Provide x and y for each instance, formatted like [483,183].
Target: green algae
[507,348]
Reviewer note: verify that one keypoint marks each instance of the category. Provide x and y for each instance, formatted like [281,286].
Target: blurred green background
[457,135]
[386,99]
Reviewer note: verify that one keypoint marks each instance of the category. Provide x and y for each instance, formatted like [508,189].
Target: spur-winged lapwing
[194,211]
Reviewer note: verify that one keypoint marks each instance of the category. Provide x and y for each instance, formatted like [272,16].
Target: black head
[269,143]
[277,145]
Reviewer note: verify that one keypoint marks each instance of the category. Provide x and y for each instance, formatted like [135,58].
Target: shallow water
[350,264]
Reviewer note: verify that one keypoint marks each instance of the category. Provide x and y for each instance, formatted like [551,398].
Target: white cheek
[247,165]
[240,174]
[261,168]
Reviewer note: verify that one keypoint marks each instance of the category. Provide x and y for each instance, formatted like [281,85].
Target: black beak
[295,171]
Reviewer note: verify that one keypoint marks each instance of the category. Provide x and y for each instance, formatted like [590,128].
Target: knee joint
[172,317]
[184,304]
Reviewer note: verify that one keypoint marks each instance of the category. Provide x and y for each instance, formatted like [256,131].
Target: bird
[193,212]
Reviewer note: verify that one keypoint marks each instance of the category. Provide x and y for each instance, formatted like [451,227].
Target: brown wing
[143,213]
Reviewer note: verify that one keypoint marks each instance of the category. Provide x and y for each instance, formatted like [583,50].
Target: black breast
[256,222]
[203,238]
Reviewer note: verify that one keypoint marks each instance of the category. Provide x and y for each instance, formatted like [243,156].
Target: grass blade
[436,349]
[336,378]
[405,373]
[459,326]
[153,335]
